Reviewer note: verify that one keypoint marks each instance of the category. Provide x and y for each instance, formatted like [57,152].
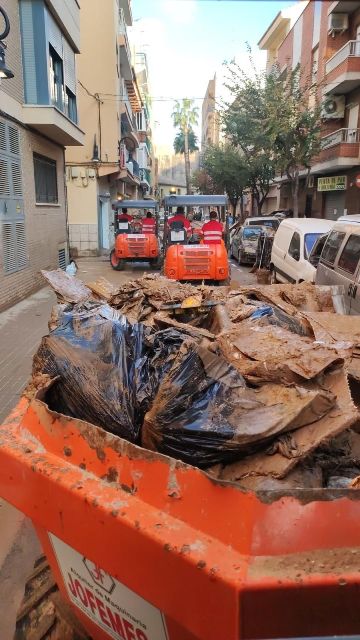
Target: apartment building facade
[210,126]
[325,41]
[113,116]
[171,178]
[38,118]
[145,153]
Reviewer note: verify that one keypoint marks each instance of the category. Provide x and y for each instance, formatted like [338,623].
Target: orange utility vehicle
[131,243]
[145,547]
[187,258]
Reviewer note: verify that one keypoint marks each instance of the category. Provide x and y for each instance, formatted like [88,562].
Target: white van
[339,262]
[292,246]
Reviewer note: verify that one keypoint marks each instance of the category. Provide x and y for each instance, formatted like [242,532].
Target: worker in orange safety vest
[213,230]
[148,223]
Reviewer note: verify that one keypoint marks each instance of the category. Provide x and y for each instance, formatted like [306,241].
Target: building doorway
[334,204]
[104,225]
[308,205]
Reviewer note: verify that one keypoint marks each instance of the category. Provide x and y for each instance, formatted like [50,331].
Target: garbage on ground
[251,384]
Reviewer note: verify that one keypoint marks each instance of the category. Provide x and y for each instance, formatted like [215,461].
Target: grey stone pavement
[21,329]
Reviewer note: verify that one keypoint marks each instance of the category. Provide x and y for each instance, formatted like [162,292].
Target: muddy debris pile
[250,384]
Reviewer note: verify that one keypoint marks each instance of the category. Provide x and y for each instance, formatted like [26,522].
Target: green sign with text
[332,183]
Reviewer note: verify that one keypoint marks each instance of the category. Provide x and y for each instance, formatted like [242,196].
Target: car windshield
[267,223]
[251,233]
[309,241]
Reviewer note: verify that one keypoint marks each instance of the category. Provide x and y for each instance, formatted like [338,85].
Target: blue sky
[188,40]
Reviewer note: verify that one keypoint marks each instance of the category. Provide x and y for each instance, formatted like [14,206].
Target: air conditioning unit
[311,182]
[333,107]
[338,22]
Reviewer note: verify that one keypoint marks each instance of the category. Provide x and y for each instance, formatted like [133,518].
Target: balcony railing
[350,50]
[123,32]
[340,136]
[127,103]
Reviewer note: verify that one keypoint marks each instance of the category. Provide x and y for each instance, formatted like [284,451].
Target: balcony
[131,172]
[145,177]
[125,51]
[51,122]
[343,69]
[343,6]
[339,149]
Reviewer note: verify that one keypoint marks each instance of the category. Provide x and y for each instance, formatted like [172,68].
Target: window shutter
[9,249]
[69,67]
[2,136]
[20,244]
[16,179]
[54,35]
[14,140]
[4,178]
[12,223]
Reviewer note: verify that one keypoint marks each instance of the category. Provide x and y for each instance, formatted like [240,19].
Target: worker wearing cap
[180,217]
[124,216]
[213,230]
[148,223]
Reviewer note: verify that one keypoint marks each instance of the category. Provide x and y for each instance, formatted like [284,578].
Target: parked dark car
[244,243]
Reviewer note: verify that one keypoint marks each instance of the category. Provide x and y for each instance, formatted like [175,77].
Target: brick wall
[285,51]
[14,86]
[45,225]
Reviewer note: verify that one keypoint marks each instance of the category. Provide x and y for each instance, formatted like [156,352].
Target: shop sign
[332,183]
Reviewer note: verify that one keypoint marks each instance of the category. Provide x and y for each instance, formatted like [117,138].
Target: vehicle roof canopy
[195,201]
[134,204]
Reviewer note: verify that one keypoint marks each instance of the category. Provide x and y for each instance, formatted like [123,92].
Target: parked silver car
[339,262]
[244,244]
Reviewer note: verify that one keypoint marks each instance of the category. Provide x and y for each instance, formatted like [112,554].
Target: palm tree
[184,116]
[179,142]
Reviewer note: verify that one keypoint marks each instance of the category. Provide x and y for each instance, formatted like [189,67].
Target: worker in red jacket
[124,216]
[212,230]
[180,217]
[148,223]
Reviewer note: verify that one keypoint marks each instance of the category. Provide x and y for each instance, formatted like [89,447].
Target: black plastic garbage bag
[204,414]
[109,370]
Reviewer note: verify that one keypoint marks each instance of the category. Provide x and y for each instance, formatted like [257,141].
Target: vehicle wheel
[273,278]
[155,263]
[43,612]
[116,263]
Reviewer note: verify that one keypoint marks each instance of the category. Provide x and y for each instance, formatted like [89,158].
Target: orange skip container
[147,548]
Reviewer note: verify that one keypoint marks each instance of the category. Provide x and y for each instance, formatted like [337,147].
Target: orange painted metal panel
[216,561]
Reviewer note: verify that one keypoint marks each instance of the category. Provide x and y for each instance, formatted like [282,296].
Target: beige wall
[82,198]
[96,69]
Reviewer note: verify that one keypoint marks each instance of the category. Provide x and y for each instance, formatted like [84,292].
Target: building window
[71,110]
[317,22]
[56,78]
[45,180]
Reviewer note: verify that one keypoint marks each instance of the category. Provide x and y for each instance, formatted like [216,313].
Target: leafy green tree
[275,120]
[185,116]
[293,125]
[228,171]
[179,142]
[243,120]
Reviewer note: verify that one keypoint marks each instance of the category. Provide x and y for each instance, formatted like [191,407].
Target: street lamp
[5,73]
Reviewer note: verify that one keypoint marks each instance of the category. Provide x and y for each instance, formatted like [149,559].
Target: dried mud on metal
[251,384]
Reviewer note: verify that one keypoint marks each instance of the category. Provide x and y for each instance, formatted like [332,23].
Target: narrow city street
[22,327]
